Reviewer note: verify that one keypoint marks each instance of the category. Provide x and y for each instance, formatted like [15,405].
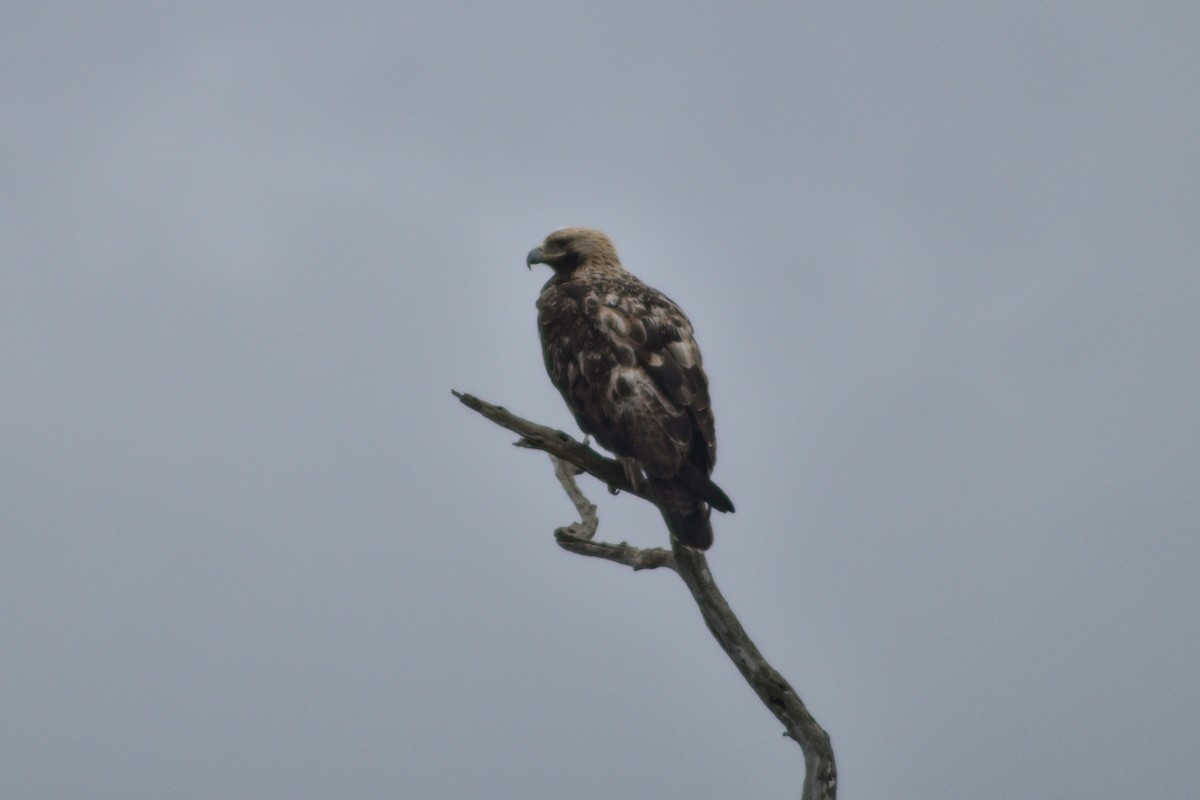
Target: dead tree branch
[570,456]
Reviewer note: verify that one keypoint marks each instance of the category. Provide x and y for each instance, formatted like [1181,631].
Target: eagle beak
[534,257]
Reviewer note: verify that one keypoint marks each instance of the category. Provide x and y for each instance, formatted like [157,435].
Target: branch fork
[570,457]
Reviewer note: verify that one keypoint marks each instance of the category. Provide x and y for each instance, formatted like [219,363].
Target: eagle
[625,360]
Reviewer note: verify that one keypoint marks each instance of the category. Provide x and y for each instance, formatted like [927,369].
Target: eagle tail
[685,515]
[717,498]
[699,485]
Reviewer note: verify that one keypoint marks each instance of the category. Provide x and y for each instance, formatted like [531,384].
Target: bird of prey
[623,357]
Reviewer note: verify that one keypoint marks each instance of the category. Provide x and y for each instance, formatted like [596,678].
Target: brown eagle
[623,357]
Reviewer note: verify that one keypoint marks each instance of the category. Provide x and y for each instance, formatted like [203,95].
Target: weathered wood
[820,782]
[776,693]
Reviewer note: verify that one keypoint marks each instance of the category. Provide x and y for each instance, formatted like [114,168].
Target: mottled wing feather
[624,358]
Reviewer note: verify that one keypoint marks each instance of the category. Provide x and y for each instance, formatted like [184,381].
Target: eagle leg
[633,472]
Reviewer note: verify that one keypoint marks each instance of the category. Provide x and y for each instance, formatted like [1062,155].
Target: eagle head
[566,249]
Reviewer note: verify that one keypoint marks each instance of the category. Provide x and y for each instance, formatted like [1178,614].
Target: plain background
[942,260]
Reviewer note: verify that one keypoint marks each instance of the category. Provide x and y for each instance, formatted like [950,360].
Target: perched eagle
[623,357]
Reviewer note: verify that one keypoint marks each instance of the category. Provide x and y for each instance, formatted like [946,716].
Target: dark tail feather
[717,498]
[702,486]
[686,517]
[694,531]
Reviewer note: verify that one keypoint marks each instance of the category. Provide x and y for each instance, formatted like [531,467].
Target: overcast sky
[942,261]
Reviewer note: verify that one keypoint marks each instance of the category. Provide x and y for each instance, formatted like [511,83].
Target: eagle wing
[624,358]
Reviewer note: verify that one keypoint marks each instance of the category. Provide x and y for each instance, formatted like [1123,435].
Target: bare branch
[585,529]
[777,695]
[556,443]
[577,537]
[636,557]
[771,687]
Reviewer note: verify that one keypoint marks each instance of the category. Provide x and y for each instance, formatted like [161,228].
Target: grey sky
[942,260]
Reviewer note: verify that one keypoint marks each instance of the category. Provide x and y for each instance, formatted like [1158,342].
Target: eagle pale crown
[566,249]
